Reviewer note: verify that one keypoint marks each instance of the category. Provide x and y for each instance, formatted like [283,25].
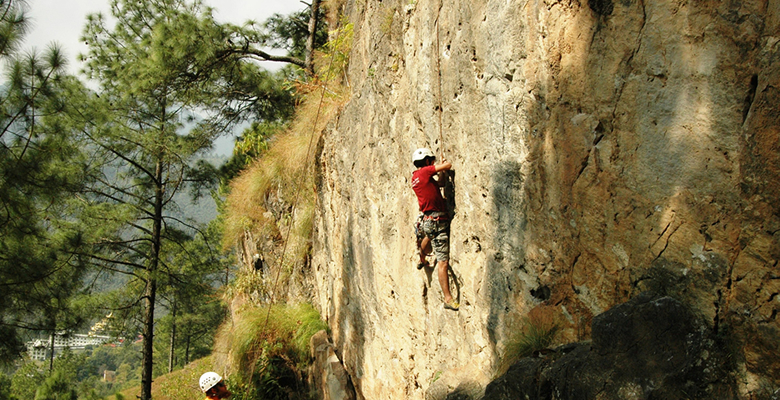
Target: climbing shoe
[423,264]
[452,305]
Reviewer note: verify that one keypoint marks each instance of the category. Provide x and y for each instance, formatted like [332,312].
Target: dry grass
[274,199]
[537,331]
[284,172]
[274,177]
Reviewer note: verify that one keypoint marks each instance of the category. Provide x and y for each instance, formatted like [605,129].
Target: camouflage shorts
[438,230]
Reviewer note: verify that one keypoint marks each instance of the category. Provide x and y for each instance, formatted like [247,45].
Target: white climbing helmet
[421,153]
[209,380]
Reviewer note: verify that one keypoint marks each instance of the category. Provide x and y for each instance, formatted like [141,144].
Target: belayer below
[213,386]
[433,225]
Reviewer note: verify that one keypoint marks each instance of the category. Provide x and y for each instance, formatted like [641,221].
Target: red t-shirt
[428,195]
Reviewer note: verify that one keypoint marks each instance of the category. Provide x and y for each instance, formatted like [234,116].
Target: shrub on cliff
[268,350]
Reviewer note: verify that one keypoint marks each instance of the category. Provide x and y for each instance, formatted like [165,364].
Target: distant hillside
[204,210]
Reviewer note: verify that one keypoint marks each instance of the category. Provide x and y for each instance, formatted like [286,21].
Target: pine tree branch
[23,108]
[120,200]
[114,261]
[121,155]
[254,53]
[31,105]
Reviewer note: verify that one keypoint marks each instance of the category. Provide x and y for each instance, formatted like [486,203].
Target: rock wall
[600,148]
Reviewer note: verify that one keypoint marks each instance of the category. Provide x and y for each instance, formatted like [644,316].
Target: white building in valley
[39,349]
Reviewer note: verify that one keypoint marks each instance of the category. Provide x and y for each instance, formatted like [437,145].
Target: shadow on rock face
[601,7]
[649,347]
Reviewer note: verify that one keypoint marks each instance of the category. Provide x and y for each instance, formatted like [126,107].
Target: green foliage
[194,323]
[79,373]
[270,350]
[252,143]
[13,26]
[160,63]
[58,386]
[125,357]
[186,49]
[5,387]
[89,393]
[335,57]
[156,64]
[40,166]
[127,374]
[194,271]
[90,181]
[93,388]
[290,32]
[26,380]
[31,382]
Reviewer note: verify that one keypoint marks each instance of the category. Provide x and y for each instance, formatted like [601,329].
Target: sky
[62,21]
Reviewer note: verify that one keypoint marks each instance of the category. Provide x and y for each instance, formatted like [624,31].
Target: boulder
[648,348]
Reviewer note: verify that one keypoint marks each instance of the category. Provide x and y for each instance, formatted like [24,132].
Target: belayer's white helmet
[209,380]
[421,153]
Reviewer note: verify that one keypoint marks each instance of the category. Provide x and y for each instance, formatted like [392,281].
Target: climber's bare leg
[425,248]
[444,279]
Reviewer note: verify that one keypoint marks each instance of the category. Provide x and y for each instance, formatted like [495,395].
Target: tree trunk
[315,8]
[150,294]
[148,337]
[51,356]
[171,354]
[187,351]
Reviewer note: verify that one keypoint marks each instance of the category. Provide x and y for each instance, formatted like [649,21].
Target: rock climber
[433,225]
[213,386]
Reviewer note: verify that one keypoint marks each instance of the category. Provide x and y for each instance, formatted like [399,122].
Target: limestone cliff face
[601,148]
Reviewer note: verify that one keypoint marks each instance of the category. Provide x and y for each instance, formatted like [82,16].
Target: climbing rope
[438,71]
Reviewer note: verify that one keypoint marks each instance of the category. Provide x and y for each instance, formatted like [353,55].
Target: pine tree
[158,63]
[40,169]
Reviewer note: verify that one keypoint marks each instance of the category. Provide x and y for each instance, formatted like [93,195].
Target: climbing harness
[435,216]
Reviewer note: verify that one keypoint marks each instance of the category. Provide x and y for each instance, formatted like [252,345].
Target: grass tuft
[537,332]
